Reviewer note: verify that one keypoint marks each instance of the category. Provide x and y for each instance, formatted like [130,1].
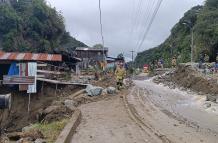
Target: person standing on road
[174,62]
[120,74]
[201,61]
[207,64]
[206,58]
[162,63]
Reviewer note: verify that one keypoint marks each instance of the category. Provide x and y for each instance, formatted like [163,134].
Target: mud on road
[163,124]
[139,115]
[107,121]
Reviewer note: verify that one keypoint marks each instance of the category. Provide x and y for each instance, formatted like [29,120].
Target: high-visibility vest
[206,58]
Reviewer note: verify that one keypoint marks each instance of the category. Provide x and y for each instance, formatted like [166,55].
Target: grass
[52,130]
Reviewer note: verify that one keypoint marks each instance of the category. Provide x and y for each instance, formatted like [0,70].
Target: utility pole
[132,55]
[192,39]
[192,45]
[132,60]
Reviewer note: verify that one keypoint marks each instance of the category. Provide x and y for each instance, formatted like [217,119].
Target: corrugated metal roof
[30,57]
[90,49]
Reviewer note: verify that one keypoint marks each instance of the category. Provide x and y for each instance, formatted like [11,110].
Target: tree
[120,56]
[98,46]
[33,26]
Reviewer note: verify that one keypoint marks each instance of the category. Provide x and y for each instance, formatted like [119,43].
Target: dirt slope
[187,77]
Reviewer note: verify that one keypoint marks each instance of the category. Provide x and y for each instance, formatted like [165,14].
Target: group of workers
[204,63]
[120,71]
[160,63]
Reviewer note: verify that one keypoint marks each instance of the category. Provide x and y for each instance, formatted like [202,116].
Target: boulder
[111,90]
[70,104]
[39,141]
[94,90]
[50,109]
[27,128]
[207,105]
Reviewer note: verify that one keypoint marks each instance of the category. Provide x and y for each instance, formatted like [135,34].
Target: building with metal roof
[15,56]
[90,56]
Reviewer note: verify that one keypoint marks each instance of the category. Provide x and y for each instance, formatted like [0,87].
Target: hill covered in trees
[33,26]
[204,22]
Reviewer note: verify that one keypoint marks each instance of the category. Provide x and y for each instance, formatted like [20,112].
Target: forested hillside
[204,22]
[33,26]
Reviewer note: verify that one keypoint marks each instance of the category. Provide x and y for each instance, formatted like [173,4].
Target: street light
[192,38]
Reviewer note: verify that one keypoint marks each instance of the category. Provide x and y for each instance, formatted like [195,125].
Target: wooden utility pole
[132,58]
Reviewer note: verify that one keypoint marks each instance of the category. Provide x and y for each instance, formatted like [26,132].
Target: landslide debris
[188,77]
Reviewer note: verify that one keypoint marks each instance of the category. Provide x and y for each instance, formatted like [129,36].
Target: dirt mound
[187,77]
[106,81]
[54,113]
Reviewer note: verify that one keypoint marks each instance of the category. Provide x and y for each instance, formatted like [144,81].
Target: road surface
[148,113]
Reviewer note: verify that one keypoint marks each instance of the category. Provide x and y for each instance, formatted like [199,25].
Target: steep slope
[32,25]
[204,21]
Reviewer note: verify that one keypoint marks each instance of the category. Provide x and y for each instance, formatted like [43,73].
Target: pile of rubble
[188,78]
[166,79]
[97,91]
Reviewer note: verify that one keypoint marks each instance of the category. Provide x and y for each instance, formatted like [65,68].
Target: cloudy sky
[123,22]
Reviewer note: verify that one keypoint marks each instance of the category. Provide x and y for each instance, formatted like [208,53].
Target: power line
[150,23]
[147,14]
[134,16]
[141,14]
[138,19]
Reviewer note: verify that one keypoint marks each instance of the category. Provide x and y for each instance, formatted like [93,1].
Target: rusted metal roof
[30,57]
[91,49]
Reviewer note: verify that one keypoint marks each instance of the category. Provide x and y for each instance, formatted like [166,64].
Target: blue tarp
[13,70]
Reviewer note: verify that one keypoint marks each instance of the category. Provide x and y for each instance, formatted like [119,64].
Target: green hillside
[204,21]
[33,26]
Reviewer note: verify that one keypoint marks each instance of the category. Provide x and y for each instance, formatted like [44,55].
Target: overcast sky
[82,21]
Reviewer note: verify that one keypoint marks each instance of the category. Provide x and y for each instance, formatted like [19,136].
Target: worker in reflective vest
[206,58]
[120,74]
[174,62]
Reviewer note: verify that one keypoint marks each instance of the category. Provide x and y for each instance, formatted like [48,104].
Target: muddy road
[149,113]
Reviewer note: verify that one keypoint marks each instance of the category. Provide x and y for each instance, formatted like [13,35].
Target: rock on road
[147,113]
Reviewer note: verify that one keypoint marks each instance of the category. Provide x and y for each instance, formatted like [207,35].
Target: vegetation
[204,22]
[98,46]
[52,130]
[33,26]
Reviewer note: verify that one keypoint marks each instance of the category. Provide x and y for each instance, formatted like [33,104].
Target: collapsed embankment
[188,77]
[49,109]
[18,117]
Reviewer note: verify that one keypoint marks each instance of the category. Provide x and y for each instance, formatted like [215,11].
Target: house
[7,59]
[90,56]
[69,59]
[112,61]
